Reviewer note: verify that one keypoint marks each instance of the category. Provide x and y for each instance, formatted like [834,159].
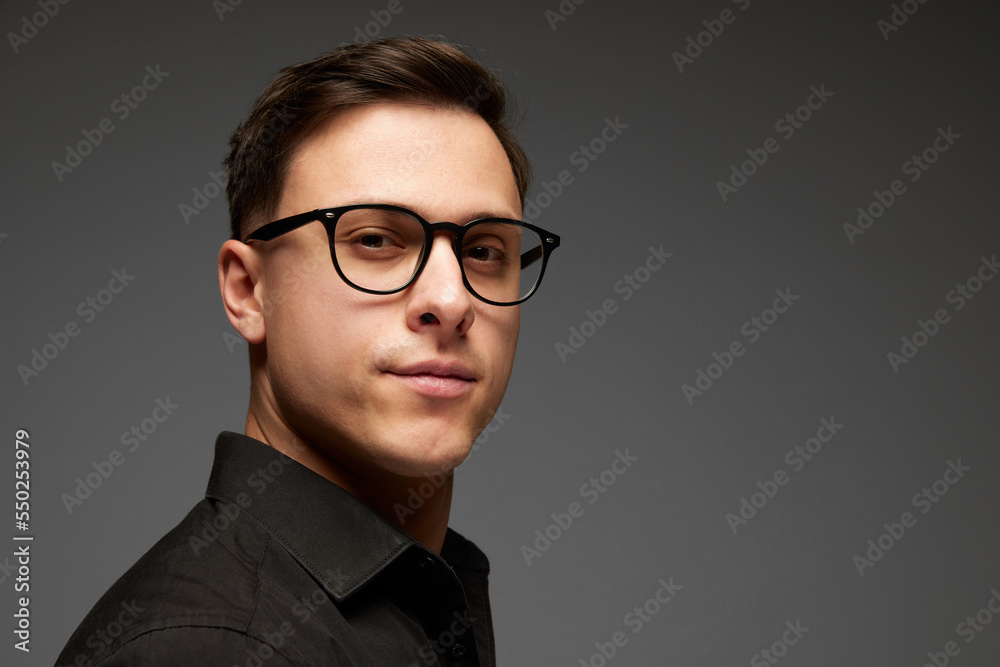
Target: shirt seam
[247,635]
[260,581]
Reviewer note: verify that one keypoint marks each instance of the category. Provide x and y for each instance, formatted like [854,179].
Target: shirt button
[457,651]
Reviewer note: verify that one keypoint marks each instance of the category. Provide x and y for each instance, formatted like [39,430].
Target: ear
[239,273]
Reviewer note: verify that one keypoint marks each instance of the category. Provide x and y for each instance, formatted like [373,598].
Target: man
[381,343]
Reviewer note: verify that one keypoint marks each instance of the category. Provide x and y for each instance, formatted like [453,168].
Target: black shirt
[279,566]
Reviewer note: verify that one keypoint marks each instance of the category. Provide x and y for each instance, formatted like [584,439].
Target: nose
[438,299]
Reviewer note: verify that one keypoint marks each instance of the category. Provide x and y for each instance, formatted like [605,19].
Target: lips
[440,369]
[436,379]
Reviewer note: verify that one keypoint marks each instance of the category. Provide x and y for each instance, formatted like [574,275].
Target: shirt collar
[341,541]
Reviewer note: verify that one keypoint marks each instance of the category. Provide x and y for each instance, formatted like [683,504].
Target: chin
[423,456]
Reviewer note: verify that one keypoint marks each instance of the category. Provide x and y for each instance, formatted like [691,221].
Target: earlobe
[239,273]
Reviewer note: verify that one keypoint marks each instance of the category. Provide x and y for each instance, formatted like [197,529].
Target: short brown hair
[303,96]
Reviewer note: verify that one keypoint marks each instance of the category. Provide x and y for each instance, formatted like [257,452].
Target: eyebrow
[477,215]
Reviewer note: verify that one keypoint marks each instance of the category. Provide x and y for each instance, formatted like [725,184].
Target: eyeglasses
[382,248]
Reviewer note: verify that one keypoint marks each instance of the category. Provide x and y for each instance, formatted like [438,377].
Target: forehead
[434,159]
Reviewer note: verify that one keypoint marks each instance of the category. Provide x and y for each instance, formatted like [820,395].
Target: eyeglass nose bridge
[456,230]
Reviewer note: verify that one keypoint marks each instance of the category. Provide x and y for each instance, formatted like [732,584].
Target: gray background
[163,336]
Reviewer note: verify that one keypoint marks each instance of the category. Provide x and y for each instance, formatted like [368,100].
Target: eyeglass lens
[381,250]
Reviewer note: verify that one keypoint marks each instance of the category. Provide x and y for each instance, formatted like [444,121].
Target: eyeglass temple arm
[530,257]
[279,227]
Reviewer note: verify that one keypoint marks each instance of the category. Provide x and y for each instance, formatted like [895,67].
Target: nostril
[427,318]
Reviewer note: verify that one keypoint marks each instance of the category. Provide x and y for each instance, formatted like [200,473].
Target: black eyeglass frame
[330,216]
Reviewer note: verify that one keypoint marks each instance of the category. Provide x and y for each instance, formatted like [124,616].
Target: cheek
[502,342]
[310,330]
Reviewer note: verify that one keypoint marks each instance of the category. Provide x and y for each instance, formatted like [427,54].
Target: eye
[375,239]
[481,253]
[372,240]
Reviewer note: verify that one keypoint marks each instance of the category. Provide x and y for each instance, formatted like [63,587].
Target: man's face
[343,366]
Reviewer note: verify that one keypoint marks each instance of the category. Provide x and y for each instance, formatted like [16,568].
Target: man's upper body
[380,343]
[278,566]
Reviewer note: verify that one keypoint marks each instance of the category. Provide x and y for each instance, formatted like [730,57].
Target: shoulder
[193,597]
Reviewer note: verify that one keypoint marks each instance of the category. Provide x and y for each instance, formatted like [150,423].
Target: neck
[419,506]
